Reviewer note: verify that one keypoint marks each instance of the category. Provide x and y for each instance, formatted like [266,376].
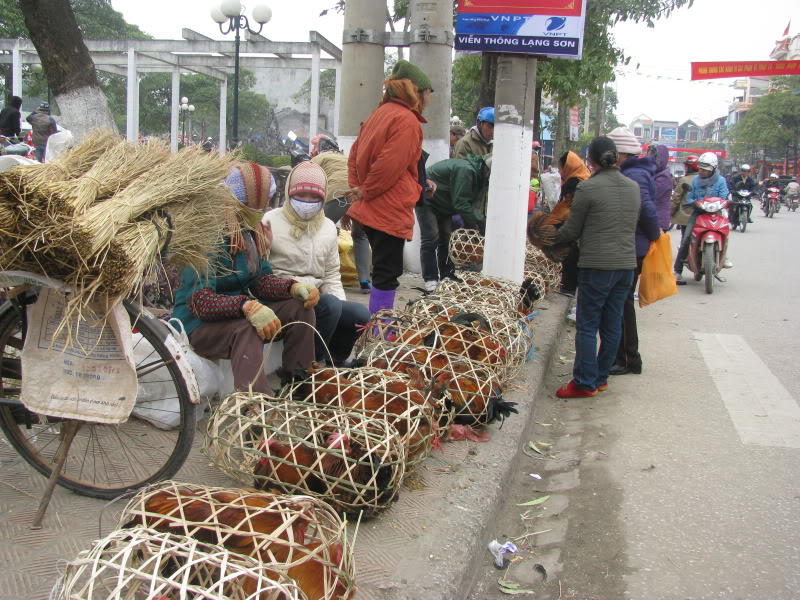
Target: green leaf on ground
[545,444]
[535,448]
[515,592]
[508,584]
[541,500]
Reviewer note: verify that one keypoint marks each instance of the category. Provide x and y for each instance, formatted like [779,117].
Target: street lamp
[186,108]
[230,12]
[38,73]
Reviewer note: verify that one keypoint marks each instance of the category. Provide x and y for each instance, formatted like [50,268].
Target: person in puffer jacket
[641,170]
[708,184]
[664,185]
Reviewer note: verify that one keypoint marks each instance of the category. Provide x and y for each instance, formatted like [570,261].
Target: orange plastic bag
[657,281]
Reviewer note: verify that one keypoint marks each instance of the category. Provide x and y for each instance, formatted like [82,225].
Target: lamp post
[186,108]
[230,12]
[38,73]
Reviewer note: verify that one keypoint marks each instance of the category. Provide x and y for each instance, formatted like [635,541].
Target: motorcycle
[296,150]
[771,202]
[791,203]
[709,241]
[741,209]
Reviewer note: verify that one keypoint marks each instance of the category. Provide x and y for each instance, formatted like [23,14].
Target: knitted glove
[305,293]
[262,318]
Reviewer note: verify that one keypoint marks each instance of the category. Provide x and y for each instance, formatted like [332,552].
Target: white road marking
[763,412]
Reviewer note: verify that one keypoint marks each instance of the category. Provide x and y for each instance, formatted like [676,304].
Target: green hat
[405,70]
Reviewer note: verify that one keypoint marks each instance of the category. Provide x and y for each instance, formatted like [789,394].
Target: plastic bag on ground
[657,281]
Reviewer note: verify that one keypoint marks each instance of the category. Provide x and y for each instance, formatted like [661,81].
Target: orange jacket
[383,163]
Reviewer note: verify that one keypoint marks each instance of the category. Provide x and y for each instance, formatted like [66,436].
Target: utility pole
[509,184]
[362,66]
[600,112]
[586,115]
[432,51]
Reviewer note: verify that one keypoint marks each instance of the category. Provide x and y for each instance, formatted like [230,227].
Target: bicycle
[92,459]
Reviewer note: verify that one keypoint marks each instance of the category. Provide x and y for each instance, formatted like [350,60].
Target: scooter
[791,203]
[709,241]
[772,201]
[741,209]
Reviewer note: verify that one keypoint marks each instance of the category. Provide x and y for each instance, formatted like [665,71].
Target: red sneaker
[573,391]
[602,387]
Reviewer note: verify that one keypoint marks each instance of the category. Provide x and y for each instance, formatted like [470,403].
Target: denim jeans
[335,210]
[336,322]
[39,152]
[434,251]
[601,297]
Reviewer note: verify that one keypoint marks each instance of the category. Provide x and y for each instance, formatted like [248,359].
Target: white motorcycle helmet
[708,161]
[744,167]
[773,175]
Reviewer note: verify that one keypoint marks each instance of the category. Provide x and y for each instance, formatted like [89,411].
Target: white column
[16,71]
[174,109]
[312,130]
[509,184]
[337,99]
[223,114]
[133,88]
[136,108]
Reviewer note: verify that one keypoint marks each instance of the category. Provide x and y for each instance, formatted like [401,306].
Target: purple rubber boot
[380,299]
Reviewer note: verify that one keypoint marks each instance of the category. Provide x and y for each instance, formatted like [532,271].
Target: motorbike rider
[681,214]
[793,189]
[707,184]
[478,141]
[771,181]
[743,181]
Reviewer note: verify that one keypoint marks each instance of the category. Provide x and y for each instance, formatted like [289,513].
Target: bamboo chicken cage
[466,248]
[299,537]
[495,291]
[352,461]
[143,564]
[399,400]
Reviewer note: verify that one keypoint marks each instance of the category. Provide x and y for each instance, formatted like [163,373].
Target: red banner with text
[561,8]
[756,68]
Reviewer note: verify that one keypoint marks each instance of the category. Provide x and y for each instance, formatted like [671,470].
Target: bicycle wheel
[104,460]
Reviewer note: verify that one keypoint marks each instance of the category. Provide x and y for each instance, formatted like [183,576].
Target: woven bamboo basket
[350,460]
[413,329]
[484,289]
[472,392]
[537,262]
[512,331]
[466,247]
[397,399]
[298,536]
[143,564]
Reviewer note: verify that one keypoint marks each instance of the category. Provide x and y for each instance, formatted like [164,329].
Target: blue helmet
[486,114]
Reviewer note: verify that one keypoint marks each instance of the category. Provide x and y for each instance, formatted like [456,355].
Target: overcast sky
[710,30]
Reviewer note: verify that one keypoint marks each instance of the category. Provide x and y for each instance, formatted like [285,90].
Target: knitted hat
[625,141]
[251,184]
[307,177]
[405,70]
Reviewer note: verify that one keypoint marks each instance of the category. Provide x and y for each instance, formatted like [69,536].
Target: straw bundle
[352,461]
[178,180]
[142,563]
[299,537]
[404,403]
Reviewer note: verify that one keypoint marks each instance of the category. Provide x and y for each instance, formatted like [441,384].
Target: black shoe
[620,370]
[749,220]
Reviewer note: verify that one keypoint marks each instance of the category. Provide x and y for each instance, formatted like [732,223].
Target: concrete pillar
[312,130]
[137,107]
[432,51]
[16,71]
[174,109]
[223,113]
[509,184]
[131,104]
[362,66]
[337,101]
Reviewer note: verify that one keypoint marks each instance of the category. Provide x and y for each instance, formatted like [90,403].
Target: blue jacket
[718,188]
[642,170]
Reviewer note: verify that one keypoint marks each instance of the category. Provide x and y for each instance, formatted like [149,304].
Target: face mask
[306,210]
[705,174]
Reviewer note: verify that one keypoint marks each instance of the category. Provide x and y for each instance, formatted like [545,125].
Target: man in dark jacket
[460,183]
[742,181]
[640,170]
[43,126]
[11,119]
[603,217]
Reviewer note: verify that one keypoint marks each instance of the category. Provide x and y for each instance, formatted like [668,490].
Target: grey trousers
[335,210]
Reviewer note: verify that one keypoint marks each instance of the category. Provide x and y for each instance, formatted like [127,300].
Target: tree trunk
[488,81]
[67,64]
[537,112]
[600,113]
[561,144]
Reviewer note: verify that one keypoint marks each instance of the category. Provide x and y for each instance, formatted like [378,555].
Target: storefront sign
[551,28]
[574,123]
[757,68]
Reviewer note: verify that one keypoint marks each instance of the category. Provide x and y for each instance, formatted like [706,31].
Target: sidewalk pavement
[425,546]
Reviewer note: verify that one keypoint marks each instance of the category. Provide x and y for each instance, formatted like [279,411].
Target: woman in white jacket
[305,246]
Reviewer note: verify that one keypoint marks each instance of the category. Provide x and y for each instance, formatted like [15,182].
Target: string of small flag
[632,71]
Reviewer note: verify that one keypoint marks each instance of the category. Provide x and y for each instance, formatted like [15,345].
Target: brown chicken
[542,229]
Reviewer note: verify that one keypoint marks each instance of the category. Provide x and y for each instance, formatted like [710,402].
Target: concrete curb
[442,562]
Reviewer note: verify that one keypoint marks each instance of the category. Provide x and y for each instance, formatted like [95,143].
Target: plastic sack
[657,281]
[347,259]
[154,401]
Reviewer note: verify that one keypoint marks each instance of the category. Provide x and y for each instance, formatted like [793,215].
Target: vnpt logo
[555,23]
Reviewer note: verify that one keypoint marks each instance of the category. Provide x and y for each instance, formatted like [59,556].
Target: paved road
[680,483]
